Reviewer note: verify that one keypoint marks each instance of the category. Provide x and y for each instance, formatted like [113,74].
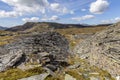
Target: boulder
[10,60]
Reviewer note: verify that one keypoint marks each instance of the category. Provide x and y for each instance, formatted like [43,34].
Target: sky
[18,12]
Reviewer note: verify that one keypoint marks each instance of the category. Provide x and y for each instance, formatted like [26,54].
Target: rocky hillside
[49,44]
[45,56]
[39,26]
[102,49]
[34,25]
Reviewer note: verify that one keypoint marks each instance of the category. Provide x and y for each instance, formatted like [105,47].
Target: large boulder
[47,47]
[102,49]
[10,60]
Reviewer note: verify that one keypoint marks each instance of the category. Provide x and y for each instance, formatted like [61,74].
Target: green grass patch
[14,74]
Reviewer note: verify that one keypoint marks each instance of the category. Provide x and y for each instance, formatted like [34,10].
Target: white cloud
[9,14]
[55,6]
[53,18]
[58,8]
[83,9]
[107,21]
[99,6]
[117,19]
[27,5]
[23,7]
[83,17]
[32,19]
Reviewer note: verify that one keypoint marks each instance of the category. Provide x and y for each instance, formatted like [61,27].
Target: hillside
[102,49]
[48,54]
[2,28]
[45,56]
[37,26]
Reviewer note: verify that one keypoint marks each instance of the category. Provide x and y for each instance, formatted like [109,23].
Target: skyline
[17,12]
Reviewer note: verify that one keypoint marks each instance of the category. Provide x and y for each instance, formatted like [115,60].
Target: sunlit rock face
[102,49]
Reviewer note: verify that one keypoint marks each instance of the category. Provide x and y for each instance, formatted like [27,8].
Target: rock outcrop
[102,49]
[43,48]
[10,60]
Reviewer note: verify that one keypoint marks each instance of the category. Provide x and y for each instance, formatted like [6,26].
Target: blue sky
[17,12]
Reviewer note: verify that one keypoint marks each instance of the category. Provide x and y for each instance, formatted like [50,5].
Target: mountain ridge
[3,28]
[53,25]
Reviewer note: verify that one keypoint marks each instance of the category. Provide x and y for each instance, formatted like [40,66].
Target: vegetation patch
[14,74]
[85,71]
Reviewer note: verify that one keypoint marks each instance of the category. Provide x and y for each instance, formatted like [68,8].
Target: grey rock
[83,36]
[94,78]
[102,49]
[9,60]
[51,67]
[37,77]
[50,42]
[50,72]
[46,47]
[75,66]
[69,77]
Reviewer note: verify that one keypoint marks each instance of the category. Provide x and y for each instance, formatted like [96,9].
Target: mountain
[102,49]
[2,28]
[45,25]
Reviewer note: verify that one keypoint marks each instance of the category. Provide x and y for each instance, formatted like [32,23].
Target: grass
[85,68]
[15,74]
[52,78]
[69,32]
[75,74]
[7,37]
[72,31]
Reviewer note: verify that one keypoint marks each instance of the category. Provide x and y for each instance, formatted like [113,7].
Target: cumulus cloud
[23,7]
[53,18]
[99,6]
[58,8]
[117,19]
[83,17]
[55,6]
[9,14]
[27,5]
[32,19]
